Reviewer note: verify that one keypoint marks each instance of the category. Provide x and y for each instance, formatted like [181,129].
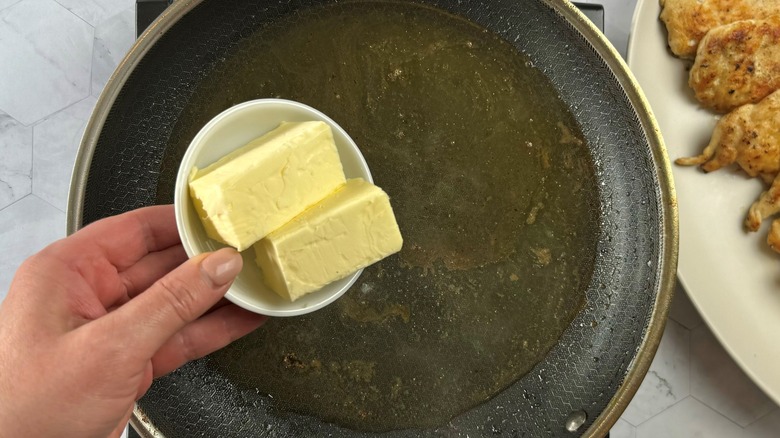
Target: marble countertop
[55,58]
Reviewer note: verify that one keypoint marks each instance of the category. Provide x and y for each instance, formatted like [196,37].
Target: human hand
[90,320]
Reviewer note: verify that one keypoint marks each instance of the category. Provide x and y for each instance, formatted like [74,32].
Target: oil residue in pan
[493,189]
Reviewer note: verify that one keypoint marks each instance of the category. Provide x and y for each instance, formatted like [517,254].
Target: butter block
[264,184]
[349,230]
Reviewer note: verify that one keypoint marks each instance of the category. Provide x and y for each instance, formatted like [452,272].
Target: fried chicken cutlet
[749,136]
[687,21]
[768,204]
[737,63]
[773,238]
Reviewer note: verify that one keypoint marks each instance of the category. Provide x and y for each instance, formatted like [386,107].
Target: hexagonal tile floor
[57,56]
[16,167]
[46,55]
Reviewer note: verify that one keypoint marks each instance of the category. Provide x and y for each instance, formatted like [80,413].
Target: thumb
[177,299]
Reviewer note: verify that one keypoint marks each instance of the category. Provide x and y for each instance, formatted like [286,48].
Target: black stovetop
[147,10]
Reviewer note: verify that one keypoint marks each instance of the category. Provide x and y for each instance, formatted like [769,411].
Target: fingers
[151,268]
[206,335]
[174,301]
[221,303]
[126,238]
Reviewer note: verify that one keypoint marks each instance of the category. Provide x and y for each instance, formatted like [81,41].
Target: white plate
[731,276]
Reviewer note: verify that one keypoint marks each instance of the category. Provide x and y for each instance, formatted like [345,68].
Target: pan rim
[670,221]
[667,197]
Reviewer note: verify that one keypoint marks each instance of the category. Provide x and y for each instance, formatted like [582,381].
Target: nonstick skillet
[529,180]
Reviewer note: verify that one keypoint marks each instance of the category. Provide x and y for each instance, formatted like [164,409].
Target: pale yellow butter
[264,184]
[349,230]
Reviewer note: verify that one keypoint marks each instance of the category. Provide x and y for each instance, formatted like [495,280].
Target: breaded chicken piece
[737,63]
[749,136]
[768,204]
[773,238]
[687,21]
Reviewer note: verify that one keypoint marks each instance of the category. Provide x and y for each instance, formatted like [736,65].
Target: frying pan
[580,385]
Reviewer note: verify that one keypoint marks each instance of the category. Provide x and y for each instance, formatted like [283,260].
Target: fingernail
[222,266]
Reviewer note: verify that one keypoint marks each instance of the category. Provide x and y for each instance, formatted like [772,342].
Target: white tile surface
[56,141]
[113,38]
[48,62]
[622,429]
[46,53]
[718,381]
[16,162]
[667,381]
[689,419]
[25,228]
[683,311]
[767,426]
[93,11]
[6,3]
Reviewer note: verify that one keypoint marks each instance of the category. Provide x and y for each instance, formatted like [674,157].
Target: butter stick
[349,230]
[264,184]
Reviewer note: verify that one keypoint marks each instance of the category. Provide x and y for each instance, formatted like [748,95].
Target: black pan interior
[582,372]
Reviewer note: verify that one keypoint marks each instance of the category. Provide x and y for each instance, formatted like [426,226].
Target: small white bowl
[226,132]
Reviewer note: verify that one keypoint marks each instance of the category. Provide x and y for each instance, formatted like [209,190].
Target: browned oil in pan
[494,192]
[499,315]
